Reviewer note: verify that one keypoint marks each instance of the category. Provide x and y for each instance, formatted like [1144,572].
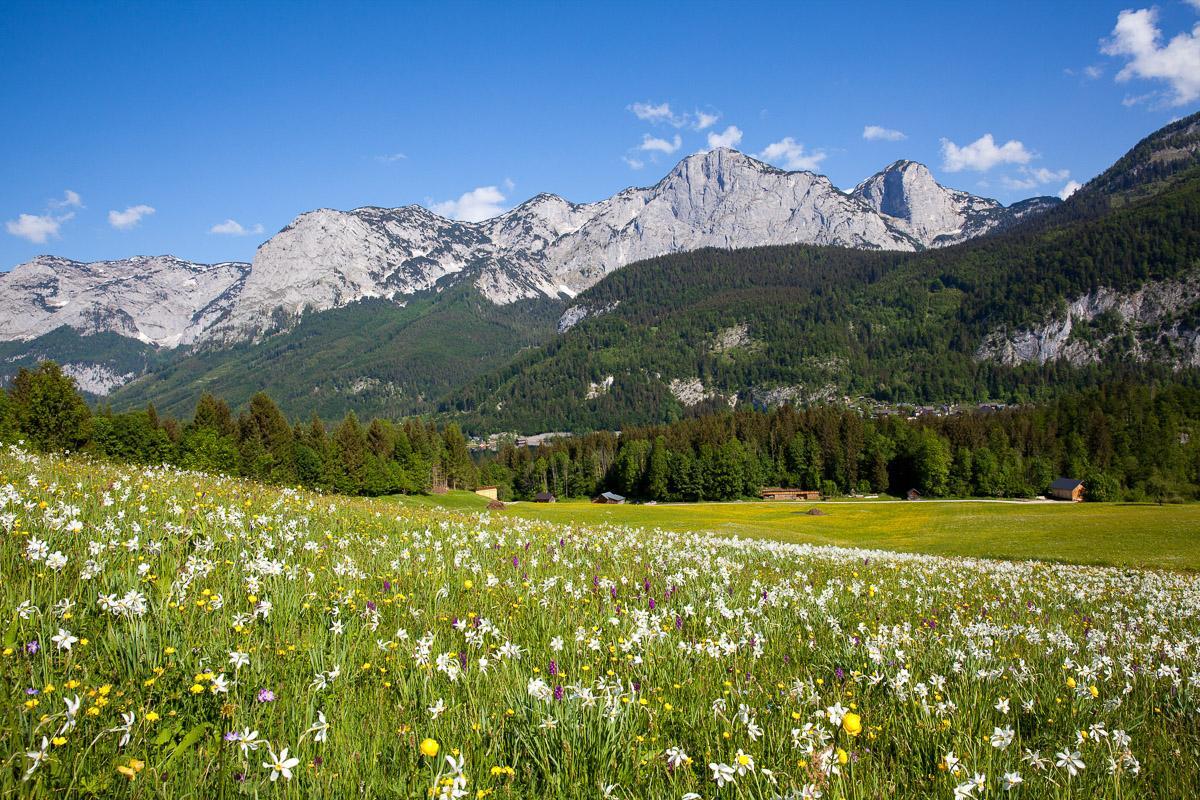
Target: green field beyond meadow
[1111,534]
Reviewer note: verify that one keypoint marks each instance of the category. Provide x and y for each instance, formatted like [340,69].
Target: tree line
[1127,440]
[44,408]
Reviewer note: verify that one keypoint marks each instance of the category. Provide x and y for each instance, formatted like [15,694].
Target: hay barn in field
[777,493]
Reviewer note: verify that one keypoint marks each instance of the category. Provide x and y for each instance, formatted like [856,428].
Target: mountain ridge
[545,247]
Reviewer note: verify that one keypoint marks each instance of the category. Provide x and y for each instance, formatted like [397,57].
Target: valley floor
[1109,534]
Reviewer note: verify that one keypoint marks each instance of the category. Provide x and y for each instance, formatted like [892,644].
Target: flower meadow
[173,634]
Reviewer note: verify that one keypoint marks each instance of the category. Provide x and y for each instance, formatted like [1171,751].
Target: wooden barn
[609,498]
[777,493]
[1067,489]
[913,494]
[544,497]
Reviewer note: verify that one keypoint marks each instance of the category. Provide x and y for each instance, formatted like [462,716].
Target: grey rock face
[1145,323]
[159,300]
[545,247]
[932,214]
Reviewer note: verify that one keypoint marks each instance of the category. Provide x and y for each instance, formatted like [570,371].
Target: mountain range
[399,310]
[547,247]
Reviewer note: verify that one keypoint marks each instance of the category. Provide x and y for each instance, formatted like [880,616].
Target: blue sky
[199,129]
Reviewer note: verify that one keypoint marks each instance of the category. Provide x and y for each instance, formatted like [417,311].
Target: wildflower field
[169,634]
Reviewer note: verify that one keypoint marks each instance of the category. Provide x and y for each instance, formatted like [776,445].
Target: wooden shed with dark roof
[1067,489]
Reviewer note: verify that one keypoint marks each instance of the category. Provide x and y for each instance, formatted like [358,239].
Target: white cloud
[648,112]
[792,155]
[730,137]
[1138,38]
[36,228]
[391,158]
[661,114]
[877,133]
[1094,72]
[982,154]
[1033,177]
[1043,175]
[70,200]
[634,163]
[653,144]
[231,227]
[130,217]
[1069,189]
[473,206]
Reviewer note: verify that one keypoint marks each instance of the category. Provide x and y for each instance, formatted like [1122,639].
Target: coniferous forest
[1128,440]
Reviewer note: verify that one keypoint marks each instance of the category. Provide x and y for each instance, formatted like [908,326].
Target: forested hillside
[373,357]
[663,337]
[1128,440]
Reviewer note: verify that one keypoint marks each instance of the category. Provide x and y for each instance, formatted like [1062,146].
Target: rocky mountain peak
[544,247]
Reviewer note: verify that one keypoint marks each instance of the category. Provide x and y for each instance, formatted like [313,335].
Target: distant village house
[913,494]
[609,498]
[544,497]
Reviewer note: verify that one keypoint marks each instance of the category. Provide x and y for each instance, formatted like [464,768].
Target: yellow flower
[152,716]
[196,689]
[468,584]
[852,724]
[430,748]
[58,741]
[1070,683]
[842,756]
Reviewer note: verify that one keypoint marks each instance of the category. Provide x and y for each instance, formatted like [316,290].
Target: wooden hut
[1067,489]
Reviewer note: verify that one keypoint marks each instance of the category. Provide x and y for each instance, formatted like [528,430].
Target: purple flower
[32,647]
[553,668]
[232,736]
[678,622]
[387,586]
[31,692]
[558,693]
[266,696]
[651,603]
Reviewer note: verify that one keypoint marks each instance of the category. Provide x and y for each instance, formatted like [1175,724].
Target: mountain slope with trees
[812,324]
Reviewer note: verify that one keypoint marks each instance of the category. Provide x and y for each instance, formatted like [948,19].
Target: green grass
[1106,534]
[163,633]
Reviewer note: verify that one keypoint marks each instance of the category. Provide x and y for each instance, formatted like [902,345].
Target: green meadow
[1109,534]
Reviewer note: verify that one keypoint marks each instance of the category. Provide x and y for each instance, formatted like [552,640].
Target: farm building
[776,493]
[913,494]
[490,492]
[610,498]
[1067,489]
[544,497]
